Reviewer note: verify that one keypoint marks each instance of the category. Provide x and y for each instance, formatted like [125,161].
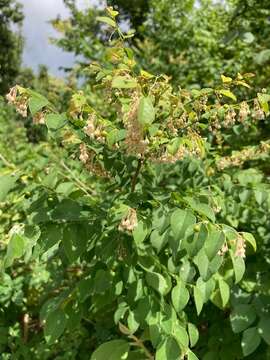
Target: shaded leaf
[242,317]
[54,326]
[250,341]
[112,350]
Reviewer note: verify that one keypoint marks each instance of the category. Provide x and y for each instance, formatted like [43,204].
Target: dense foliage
[140,228]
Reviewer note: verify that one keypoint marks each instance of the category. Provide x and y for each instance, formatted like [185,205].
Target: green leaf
[7,183]
[260,196]
[16,246]
[106,20]
[264,329]
[250,239]
[133,324]
[198,297]
[51,236]
[180,296]
[206,288]
[181,335]
[112,350]
[122,82]
[238,267]
[264,100]
[201,208]
[74,241]
[65,188]
[157,282]
[193,334]
[120,312]
[102,281]
[146,111]
[226,79]
[224,291]
[22,241]
[31,235]
[213,242]
[115,135]
[158,241]
[211,355]
[194,242]
[173,146]
[242,317]
[187,271]
[55,121]
[140,232]
[192,356]
[36,103]
[168,350]
[248,37]
[250,341]
[55,325]
[228,93]
[180,221]
[262,57]
[202,262]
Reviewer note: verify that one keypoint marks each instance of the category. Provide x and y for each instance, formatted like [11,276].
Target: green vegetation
[135,207]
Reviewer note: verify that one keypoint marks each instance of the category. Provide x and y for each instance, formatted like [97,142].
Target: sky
[37,30]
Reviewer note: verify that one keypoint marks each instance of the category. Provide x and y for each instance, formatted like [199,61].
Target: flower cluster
[240,247]
[39,118]
[87,158]
[129,221]
[93,130]
[84,156]
[135,142]
[20,102]
[229,119]
[224,249]
[244,111]
[240,157]
[168,158]
[257,113]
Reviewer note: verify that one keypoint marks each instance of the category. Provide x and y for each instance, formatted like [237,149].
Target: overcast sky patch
[37,30]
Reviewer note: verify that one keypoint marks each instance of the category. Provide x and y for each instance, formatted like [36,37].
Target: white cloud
[37,31]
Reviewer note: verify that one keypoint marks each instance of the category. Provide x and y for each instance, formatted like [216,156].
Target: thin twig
[139,343]
[6,162]
[83,187]
[26,320]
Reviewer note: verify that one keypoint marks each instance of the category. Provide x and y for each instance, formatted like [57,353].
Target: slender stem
[26,320]
[6,162]
[135,176]
[82,186]
[139,343]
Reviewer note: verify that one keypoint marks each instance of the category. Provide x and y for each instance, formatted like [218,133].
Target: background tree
[193,42]
[11,42]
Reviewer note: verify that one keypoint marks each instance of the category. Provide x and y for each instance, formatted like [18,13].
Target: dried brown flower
[257,113]
[39,118]
[129,221]
[12,95]
[84,156]
[240,247]
[135,142]
[244,111]
[223,249]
